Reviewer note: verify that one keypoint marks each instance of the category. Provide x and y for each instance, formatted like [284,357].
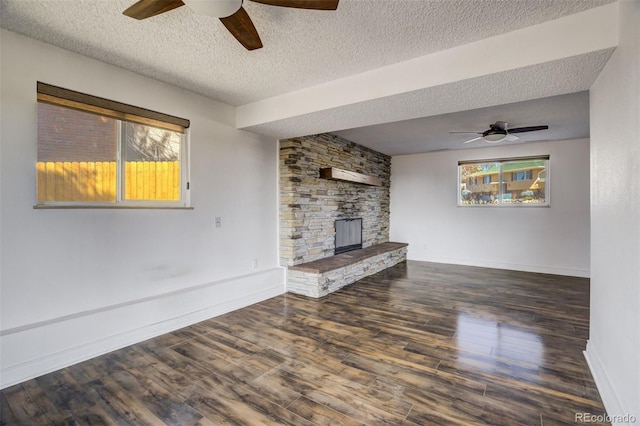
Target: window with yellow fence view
[87,158]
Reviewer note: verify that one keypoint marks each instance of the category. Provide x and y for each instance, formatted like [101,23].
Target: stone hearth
[321,277]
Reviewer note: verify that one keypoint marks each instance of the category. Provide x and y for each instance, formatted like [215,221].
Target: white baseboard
[509,266]
[611,402]
[33,350]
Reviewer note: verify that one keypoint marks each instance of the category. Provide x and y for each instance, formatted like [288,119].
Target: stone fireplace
[310,205]
[314,204]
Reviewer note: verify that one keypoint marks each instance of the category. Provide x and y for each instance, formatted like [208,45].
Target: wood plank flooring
[420,343]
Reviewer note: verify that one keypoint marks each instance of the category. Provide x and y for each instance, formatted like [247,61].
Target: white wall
[613,350]
[77,283]
[552,239]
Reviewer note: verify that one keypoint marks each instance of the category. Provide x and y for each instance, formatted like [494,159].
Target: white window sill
[121,207]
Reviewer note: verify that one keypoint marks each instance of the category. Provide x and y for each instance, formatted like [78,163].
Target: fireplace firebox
[348,235]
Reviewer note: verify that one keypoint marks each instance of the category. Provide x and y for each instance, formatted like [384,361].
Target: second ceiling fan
[499,132]
[230,12]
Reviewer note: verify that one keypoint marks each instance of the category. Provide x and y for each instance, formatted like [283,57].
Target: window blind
[95,105]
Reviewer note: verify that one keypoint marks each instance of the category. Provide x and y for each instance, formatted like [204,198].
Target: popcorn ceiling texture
[306,49]
[302,48]
[533,82]
[310,205]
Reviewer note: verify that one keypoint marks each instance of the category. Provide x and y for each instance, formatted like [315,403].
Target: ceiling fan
[230,12]
[499,132]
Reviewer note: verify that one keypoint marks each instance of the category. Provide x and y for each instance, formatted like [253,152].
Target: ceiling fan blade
[473,140]
[528,129]
[511,138]
[241,27]
[475,133]
[148,8]
[303,4]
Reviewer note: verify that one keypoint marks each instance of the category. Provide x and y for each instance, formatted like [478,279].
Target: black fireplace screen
[348,235]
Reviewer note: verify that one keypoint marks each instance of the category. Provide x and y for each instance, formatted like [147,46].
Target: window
[97,152]
[522,175]
[514,181]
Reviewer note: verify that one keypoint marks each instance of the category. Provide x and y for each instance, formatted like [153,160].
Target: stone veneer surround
[310,205]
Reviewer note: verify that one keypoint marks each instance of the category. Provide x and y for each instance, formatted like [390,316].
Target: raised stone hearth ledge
[324,276]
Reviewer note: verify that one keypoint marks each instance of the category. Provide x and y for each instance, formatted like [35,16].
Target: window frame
[122,113]
[502,181]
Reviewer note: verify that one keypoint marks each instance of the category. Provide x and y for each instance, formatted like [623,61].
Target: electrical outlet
[218,222]
[254,264]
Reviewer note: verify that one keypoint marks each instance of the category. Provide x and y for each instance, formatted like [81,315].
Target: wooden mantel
[333,173]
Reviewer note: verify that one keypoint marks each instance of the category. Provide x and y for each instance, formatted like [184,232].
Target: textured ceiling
[536,82]
[305,48]
[301,47]
[566,115]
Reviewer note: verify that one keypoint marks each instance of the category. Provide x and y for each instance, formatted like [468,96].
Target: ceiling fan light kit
[494,137]
[215,9]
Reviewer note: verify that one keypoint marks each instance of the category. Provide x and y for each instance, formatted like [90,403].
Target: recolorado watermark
[602,418]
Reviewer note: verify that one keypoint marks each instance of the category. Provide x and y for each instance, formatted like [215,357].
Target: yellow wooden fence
[96,181]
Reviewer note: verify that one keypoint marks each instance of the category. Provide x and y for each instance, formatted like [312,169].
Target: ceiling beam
[358,96]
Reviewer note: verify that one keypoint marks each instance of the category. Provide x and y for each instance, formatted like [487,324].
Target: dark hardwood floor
[420,343]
